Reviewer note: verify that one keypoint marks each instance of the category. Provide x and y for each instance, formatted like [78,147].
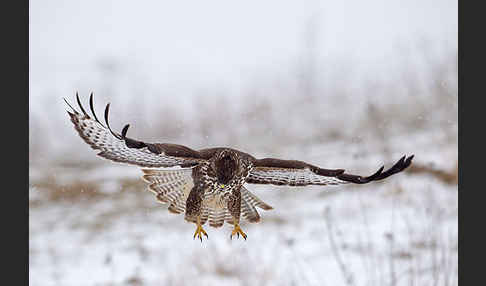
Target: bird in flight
[208,185]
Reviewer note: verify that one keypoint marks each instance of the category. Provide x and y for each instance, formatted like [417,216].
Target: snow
[403,229]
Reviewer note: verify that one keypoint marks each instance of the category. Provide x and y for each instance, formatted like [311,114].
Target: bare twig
[347,275]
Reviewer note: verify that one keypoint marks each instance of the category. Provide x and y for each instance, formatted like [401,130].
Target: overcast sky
[226,42]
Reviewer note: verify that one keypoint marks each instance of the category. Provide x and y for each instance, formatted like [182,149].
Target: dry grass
[450,177]
[53,191]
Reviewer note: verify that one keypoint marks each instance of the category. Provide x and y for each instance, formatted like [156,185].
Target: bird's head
[225,167]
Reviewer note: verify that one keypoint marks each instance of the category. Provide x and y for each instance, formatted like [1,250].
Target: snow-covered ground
[350,85]
[97,225]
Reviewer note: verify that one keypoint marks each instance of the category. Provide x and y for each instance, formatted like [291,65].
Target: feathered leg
[234,207]
[193,212]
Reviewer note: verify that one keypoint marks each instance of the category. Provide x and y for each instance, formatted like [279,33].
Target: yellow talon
[200,231]
[237,230]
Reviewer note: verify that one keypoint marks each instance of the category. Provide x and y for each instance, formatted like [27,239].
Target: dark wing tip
[70,106]
[408,161]
[91,107]
[399,166]
[400,162]
[375,175]
[124,131]
[107,111]
[80,105]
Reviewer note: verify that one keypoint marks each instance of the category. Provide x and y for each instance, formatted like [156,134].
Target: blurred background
[340,84]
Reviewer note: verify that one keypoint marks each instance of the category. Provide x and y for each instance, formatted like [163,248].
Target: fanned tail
[215,211]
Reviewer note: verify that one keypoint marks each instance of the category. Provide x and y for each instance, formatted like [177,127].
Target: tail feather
[213,210]
[249,212]
[253,200]
[217,217]
[249,202]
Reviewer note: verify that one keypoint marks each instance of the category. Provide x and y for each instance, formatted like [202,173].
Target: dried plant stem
[347,275]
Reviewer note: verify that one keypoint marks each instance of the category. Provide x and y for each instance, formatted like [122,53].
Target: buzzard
[208,184]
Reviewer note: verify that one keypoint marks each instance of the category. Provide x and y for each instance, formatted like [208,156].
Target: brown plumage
[209,184]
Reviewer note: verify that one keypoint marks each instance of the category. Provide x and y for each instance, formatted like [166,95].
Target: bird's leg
[193,212]
[237,230]
[199,230]
[234,207]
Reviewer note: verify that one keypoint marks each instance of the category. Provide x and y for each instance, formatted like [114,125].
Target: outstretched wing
[298,173]
[119,148]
